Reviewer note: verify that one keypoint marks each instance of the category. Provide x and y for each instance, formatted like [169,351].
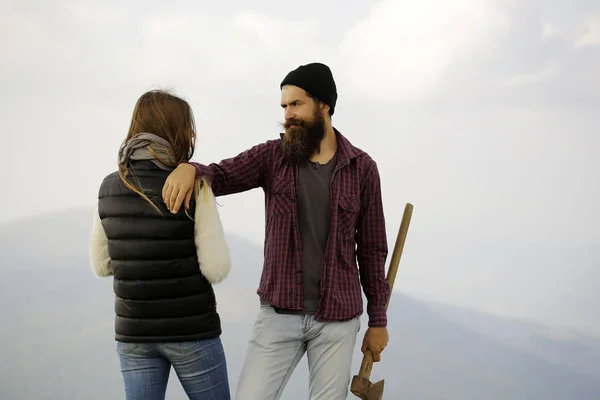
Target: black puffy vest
[160,293]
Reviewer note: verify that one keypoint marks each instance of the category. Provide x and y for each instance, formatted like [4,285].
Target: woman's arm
[211,246]
[98,248]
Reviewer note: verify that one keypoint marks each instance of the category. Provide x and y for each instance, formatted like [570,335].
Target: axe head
[365,390]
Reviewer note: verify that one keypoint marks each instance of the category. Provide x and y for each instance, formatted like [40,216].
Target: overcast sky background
[483,114]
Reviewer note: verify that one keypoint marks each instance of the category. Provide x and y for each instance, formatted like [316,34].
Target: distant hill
[559,346]
[57,336]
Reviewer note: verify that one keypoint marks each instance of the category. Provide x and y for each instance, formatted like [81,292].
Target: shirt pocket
[348,209]
[283,197]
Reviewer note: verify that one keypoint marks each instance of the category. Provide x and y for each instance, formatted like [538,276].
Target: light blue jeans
[279,342]
[200,367]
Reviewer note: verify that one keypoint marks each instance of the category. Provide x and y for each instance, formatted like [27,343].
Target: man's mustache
[293,122]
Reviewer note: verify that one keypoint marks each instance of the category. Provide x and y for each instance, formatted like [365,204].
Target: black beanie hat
[317,80]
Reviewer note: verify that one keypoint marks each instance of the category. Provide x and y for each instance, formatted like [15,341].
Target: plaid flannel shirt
[357,231]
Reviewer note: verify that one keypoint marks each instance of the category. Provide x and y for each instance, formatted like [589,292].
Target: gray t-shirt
[313,221]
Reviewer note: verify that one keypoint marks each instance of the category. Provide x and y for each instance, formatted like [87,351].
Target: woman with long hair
[163,264]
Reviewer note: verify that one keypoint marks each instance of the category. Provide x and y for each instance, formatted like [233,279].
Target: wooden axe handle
[398,248]
[367,361]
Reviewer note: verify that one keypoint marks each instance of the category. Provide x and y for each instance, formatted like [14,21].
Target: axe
[361,384]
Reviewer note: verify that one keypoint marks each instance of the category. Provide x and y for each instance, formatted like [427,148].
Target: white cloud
[277,34]
[189,48]
[98,15]
[535,77]
[402,49]
[25,39]
[590,32]
[235,48]
[548,30]
[54,45]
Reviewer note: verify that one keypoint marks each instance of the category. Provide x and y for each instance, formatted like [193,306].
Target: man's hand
[178,187]
[375,339]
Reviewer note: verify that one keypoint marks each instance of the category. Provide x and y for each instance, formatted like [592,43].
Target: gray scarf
[136,149]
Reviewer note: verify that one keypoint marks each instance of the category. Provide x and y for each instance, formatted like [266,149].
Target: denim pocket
[126,348]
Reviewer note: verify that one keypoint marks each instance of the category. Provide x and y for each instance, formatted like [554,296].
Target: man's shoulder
[365,167]
[266,149]
[269,144]
[362,158]
[365,159]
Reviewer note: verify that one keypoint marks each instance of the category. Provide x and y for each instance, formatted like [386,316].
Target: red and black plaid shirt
[357,230]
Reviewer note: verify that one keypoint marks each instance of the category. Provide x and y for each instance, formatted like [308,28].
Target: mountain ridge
[61,316]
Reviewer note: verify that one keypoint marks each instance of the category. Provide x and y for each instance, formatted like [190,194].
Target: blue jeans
[199,365]
[279,342]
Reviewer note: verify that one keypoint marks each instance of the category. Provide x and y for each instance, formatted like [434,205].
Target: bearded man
[324,238]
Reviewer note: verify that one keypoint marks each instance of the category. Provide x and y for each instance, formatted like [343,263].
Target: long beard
[303,139]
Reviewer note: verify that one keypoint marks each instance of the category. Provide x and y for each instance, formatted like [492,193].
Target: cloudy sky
[483,114]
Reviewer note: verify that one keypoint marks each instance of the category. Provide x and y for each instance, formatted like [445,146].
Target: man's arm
[243,172]
[372,249]
[238,174]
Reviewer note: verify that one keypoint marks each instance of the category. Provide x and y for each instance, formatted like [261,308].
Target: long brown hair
[170,117]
